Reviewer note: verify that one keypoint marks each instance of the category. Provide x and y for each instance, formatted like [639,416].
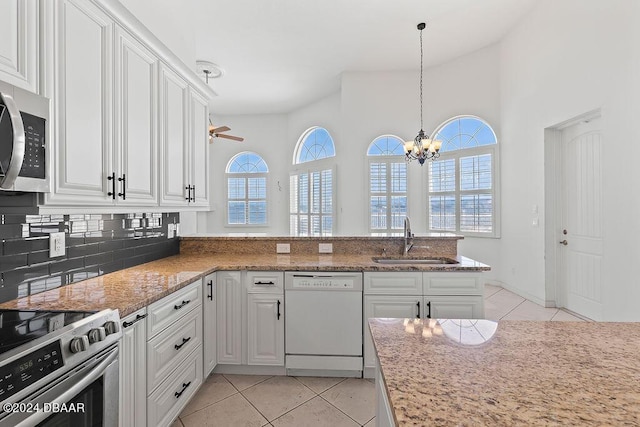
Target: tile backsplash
[96,244]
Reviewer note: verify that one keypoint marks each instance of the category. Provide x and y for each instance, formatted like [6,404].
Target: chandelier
[422,147]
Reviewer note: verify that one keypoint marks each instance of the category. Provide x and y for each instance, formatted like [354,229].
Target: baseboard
[249,370]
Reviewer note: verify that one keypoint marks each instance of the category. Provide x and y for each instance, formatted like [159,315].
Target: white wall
[564,59]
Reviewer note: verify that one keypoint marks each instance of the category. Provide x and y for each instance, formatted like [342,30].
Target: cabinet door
[133,380]
[82,94]
[136,145]
[209,326]
[174,95]
[453,307]
[389,306]
[229,317]
[19,47]
[199,150]
[265,329]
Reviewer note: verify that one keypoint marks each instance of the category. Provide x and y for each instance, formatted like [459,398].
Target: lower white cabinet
[265,329]
[133,371]
[229,317]
[384,412]
[438,295]
[209,335]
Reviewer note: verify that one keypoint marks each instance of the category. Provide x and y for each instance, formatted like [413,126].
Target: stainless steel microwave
[24,148]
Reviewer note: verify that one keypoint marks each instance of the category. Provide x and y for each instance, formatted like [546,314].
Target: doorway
[574,245]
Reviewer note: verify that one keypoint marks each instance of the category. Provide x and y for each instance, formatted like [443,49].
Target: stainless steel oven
[23,141]
[59,368]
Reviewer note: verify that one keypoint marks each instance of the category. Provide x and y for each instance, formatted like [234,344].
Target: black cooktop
[18,327]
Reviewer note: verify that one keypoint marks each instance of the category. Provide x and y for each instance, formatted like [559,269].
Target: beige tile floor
[254,400]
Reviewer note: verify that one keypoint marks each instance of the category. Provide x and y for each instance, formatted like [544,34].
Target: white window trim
[494,150]
[327,163]
[246,199]
[388,159]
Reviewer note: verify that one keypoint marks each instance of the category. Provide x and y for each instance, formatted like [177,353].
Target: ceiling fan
[216,132]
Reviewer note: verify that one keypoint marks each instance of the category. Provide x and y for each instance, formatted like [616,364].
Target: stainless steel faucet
[408,236]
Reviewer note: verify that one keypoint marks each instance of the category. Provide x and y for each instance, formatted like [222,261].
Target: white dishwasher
[323,324]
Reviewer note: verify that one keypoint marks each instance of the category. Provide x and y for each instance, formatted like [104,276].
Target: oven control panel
[21,373]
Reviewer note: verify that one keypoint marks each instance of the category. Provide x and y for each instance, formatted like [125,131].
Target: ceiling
[279,55]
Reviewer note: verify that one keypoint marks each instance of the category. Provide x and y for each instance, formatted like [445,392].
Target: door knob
[564,242]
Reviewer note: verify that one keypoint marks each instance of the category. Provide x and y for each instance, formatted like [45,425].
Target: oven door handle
[70,393]
[17,152]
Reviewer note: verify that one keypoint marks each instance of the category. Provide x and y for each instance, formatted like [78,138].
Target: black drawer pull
[184,341]
[184,387]
[429,312]
[278,310]
[138,318]
[264,283]
[418,304]
[178,307]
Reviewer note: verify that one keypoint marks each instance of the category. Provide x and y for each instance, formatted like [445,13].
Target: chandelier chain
[421,55]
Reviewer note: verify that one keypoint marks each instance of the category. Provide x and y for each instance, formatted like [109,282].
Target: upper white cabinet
[136,143]
[19,43]
[79,76]
[129,120]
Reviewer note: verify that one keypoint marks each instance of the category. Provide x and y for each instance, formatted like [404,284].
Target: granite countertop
[506,373]
[136,287]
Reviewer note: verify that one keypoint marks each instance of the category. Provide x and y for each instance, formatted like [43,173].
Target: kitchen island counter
[479,372]
[136,287]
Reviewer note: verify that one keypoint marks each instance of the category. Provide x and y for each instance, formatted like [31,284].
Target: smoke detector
[208,70]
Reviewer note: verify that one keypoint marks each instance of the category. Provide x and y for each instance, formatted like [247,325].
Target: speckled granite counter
[520,373]
[136,287]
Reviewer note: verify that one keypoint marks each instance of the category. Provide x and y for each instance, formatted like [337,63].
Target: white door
[265,329]
[133,370]
[19,47]
[580,237]
[229,317]
[199,150]
[453,307]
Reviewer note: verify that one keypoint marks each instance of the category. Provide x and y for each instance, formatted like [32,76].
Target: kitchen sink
[440,260]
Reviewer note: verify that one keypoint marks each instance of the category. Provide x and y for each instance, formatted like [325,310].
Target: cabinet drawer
[172,395]
[269,282]
[452,284]
[393,283]
[168,348]
[170,308]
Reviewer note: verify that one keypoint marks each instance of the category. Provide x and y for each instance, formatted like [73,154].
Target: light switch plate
[325,248]
[56,244]
[283,248]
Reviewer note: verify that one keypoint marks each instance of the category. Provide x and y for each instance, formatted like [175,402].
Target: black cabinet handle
[184,341]
[123,180]
[278,314]
[418,304]
[263,283]
[184,387]
[138,318]
[178,307]
[429,312]
[193,187]
[112,178]
[210,285]
[188,188]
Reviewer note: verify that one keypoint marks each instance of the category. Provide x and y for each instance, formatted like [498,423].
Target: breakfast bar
[480,372]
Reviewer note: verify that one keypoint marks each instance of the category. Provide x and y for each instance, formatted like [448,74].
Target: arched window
[312,187]
[247,189]
[387,185]
[462,194]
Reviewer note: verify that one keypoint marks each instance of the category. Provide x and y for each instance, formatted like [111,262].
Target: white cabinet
[198,150]
[438,295]
[229,317]
[19,46]
[135,167]
[133,386]
[79,72]
[174,136]
[265,329]
[209,335]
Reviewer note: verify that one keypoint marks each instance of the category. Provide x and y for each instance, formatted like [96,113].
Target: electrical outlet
[325,248]
[283,248]
[56,245]
[171,231]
